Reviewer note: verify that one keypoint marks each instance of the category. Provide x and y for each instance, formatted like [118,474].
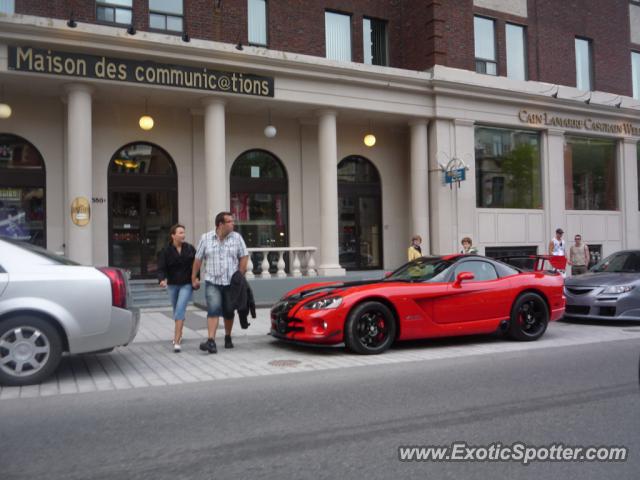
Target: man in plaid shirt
[223,252]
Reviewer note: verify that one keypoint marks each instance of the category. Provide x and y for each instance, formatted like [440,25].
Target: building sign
[588,124]
[80,211]
[34,60]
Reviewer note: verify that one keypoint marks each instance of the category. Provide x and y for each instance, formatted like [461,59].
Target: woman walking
[174,273]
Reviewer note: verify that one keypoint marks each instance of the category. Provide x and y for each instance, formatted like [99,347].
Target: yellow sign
[80,211]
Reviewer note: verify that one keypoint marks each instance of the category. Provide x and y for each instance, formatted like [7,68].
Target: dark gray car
[609,291]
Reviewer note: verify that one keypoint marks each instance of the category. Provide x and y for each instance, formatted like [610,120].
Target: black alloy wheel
[370,328]
[529,317]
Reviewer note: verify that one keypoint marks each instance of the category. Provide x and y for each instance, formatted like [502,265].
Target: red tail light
[118,286]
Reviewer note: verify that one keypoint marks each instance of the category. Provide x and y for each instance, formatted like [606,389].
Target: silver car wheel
[24,351]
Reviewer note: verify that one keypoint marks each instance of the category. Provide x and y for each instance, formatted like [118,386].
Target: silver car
[50,305]
[609,291]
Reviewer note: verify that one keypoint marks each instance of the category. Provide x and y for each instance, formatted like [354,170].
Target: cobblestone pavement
[150,361]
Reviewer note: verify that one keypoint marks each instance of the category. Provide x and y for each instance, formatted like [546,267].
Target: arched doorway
[22,191]
[360,214]
[143,204]
[260,201]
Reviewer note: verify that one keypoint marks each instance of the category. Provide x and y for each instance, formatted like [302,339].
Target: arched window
[143,204]
[259,199]
[360,214]
[22,190]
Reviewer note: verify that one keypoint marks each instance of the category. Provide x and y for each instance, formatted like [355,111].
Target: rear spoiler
[558,262]
[536,263]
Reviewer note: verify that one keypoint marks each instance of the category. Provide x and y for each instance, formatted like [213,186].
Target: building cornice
[115,41]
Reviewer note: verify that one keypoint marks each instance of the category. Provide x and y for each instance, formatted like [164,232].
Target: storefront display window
[22,191]
[590,174]
[507,168]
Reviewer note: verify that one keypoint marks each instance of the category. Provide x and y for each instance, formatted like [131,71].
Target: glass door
[360,233]
[139,229]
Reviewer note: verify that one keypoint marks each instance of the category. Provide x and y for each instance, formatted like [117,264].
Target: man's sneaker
[227,341]
[177,348]
[209,346]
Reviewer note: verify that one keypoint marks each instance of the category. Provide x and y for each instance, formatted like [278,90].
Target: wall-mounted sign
[455,175]
[80,211]
[35,60]
[455,171]
[588,124]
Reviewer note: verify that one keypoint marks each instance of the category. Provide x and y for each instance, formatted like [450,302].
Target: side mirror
[387,274]
[461,277]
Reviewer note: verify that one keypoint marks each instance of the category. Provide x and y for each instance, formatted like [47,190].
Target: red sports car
[429,297]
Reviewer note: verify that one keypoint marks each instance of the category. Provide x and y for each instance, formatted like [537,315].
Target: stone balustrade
[301,262]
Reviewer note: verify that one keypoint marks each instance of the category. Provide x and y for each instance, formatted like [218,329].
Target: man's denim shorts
[218,301]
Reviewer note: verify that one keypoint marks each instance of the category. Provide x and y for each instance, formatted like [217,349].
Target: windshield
[425,269]
[625,262]
[41,251]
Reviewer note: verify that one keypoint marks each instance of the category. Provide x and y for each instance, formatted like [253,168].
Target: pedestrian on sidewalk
[558,248]
[415,250]
[223,252]
[467,247]
[175,263]
[578,256]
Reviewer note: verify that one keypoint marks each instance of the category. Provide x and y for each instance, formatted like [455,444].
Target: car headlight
[324,303]
[617,289]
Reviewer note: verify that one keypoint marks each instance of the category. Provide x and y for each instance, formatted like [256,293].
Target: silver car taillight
[118,286]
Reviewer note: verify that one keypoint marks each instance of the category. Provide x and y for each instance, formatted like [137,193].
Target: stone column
[79,173]
[553,183]
[420,183]
[214,160]
[328,158]
[628,193]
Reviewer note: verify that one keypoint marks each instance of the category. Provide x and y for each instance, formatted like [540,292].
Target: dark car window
[481,270]
[626,262]
[425,269]
[41,251]
[633,264]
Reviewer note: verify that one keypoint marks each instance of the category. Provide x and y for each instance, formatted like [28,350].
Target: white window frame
[581,84]
[166,14]
[485,64]
[115,5]
[8,7]
[635,74]
[257,22]
[337,27]
[515,69]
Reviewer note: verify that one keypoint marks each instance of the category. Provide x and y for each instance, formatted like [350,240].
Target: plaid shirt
[221,258]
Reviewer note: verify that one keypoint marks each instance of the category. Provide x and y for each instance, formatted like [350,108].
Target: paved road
[150,361]
[343,422]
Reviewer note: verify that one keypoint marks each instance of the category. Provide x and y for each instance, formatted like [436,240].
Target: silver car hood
[602,279]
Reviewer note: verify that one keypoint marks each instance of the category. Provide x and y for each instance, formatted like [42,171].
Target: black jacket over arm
[241,298]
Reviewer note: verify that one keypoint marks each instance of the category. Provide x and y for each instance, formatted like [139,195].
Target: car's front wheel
[529,317]
[370,328]
[30,350]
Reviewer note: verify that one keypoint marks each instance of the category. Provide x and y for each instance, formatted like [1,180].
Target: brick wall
[421,33]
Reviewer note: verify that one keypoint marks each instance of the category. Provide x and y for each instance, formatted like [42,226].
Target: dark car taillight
[118,286]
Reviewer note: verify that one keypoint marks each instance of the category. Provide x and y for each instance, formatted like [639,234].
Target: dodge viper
[428,297]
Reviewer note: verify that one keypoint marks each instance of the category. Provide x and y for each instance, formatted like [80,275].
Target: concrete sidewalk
[150,361]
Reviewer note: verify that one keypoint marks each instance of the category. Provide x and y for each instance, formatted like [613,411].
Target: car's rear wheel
[370,328]
[529,317]
[30,350]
